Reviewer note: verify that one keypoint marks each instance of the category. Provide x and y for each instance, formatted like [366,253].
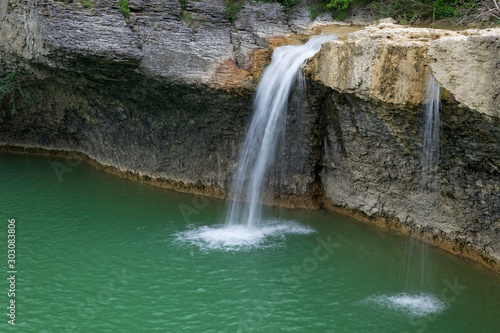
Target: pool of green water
[96,253]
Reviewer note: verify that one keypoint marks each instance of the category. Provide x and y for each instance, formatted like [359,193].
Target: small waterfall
[244,206]
[429,185]
[430,154]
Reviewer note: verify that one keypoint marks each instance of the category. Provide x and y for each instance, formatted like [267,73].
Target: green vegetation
[124,8]
[232,8]
[287,4]
[338,8]
[405,12]
[459,12]
[87,4]
[186,18]
[10,89]
[422,11]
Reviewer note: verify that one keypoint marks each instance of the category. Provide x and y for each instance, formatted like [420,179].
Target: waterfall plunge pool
[97,253]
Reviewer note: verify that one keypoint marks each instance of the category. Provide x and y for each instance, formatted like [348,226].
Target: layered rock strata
[373,124]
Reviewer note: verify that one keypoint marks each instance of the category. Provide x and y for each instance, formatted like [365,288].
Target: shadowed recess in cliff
[244,225]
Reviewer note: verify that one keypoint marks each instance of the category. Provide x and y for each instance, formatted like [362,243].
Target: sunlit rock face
[389,63]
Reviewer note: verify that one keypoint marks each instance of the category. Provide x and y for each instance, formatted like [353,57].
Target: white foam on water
[241,237]
[419,305]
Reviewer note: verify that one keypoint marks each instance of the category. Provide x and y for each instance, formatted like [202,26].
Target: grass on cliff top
[458,12]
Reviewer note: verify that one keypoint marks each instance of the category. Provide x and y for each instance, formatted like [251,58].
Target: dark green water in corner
[96,253]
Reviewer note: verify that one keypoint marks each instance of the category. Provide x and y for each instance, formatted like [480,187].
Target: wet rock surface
[372,163]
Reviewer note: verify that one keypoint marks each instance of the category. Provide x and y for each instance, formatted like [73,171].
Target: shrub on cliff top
[423,11]
[406,12]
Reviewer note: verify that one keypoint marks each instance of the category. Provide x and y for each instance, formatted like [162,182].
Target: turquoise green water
[96,253]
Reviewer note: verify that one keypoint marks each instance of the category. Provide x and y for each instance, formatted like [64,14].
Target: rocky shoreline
[436,238]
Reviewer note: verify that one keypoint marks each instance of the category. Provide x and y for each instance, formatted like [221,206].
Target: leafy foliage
[10,89]
[404,11]
[124,8]
[232,8]
[87,4]
[187,18]
[407,12]
[287,4]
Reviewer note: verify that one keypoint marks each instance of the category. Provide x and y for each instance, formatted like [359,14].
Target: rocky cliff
[165,94]
[373,127]
[165,97]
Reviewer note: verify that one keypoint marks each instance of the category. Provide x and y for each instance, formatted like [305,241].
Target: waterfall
[270,104]
[430,153]
[429,185]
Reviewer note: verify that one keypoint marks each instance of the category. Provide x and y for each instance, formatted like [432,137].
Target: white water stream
[245,195]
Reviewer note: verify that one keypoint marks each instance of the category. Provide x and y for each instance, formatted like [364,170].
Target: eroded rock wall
[373,122]
[165,94]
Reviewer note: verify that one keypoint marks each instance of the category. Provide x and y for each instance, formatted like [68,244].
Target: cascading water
[417,299]
[430,154]
[243,226]
[429,160]
[260,143]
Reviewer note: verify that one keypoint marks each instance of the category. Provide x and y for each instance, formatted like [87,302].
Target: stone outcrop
[468,66]
[373,125]
[165,96]
[390,63]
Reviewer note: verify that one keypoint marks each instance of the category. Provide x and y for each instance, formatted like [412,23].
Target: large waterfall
[243,227]
[244,207]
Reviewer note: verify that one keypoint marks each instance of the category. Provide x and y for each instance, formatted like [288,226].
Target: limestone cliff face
[390,63]
[167,94]
[468,66]
[373,126]
[161,39]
